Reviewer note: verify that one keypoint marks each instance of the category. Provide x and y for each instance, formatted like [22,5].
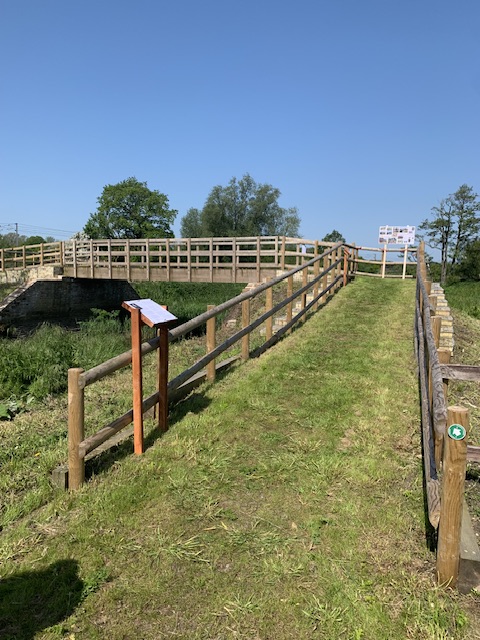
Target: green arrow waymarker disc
[457,432]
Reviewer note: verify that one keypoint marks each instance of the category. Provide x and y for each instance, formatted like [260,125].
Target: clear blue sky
[362,112]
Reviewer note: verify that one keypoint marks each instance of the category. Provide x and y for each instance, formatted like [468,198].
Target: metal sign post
[150,313]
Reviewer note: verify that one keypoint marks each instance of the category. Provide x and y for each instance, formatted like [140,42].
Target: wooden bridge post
[211,344]
[282,256]
[258,259]
[453,487]
[76,429]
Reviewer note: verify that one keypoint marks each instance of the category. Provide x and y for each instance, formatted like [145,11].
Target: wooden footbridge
[250,259]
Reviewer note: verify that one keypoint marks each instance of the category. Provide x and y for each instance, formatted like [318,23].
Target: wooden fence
[320,276]
[444,441]
[192,259]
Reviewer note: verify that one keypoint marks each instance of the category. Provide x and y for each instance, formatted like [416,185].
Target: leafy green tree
[11,239]
[455,223]
[129,209]
[191,224]
[33,240]
[242,208]
[469,267]
[333,236]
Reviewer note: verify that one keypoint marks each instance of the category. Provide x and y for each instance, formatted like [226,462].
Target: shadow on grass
[196,402]
[34,600]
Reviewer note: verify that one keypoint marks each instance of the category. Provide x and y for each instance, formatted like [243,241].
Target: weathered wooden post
[269,307]
[324,285]
[444,357]
[453,486]
[245,323]
[76,434]
[304,294]
[162,377]
[316,273]
[290,304]
[211,344]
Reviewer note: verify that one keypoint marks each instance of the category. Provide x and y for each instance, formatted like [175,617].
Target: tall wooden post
[211,343]
[76,411]
[453,486]
[137,379]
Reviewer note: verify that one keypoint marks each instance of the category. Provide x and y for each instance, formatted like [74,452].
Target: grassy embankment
[285,502]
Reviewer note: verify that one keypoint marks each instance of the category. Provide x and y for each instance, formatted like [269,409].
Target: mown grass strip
[285,502]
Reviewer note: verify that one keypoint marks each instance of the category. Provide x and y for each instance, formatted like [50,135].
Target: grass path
[285,502]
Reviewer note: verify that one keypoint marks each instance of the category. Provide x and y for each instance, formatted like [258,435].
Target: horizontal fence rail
[321,275]
[249,259]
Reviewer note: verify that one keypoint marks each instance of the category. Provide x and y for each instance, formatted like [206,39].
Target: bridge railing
[33,255]
[246,259]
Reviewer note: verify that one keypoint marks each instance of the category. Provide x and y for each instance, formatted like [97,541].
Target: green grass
[37,365]
[284,502]
[464,296]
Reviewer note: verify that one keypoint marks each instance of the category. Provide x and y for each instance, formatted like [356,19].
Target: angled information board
[152,313]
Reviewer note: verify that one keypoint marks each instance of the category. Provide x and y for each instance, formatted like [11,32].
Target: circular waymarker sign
[457,432]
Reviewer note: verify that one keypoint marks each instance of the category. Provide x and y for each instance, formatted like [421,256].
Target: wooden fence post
[76,434]
[269,307]
[316,273]
[436,322]
[282,257]
[444,357]
[162,381]
[453,486]
[304,294]
[324,285]
[290,304]
[245,323]
[211,343]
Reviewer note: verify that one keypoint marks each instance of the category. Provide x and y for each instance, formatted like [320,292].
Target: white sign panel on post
[396,235]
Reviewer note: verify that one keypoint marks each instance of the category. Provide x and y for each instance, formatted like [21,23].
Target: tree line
[454,229]
[243,207]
